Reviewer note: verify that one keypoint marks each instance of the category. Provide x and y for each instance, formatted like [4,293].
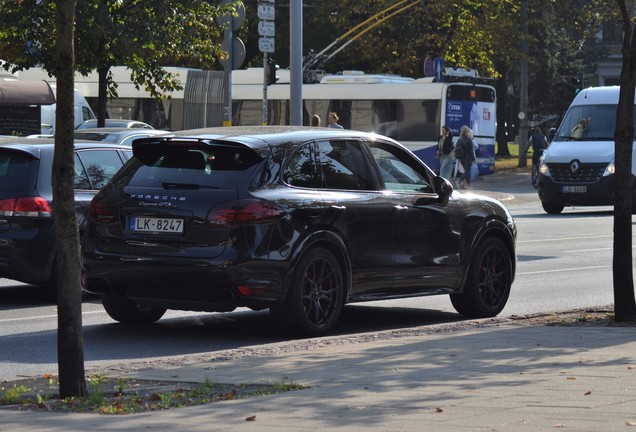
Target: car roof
[263,136]
[141,125]
[119,130]
[35,145]
[117,135]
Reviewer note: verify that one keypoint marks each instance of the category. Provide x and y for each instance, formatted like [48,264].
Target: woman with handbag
[465,153]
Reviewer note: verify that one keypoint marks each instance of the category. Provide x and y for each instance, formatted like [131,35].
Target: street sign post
[266,28]
[266,11]
[266,45]
[235,49]
[438,67]
[267,31]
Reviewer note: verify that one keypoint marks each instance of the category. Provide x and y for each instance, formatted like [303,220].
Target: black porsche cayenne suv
[297,220]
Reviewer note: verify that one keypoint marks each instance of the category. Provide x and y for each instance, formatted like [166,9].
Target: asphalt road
[564,262]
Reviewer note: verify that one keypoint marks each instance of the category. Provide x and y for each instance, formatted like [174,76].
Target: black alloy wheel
[488,283]
[317,293]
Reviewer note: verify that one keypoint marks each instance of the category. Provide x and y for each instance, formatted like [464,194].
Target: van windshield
[588,123]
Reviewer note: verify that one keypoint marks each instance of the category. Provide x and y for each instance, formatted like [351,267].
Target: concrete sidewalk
[495,377]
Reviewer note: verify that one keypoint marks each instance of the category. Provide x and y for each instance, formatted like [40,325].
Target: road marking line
[563,270]
[43,316]
[564,238]
[587,250]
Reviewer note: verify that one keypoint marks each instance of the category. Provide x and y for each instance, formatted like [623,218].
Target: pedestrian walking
[465,153]
[333,121]
[445,153]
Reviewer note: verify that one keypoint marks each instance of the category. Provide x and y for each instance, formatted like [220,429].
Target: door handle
[401,209]
[338,209]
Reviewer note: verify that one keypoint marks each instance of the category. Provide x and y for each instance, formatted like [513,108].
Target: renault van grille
[584,173]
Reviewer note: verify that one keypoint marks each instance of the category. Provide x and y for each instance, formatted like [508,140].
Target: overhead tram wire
[318,60]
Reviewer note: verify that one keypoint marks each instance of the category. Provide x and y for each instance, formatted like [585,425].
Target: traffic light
[580,82]
[271,72]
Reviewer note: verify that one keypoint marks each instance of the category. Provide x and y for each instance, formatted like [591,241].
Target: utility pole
[296,62]
[523,89]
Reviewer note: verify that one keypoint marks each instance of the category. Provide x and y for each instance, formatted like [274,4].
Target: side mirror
[443,187]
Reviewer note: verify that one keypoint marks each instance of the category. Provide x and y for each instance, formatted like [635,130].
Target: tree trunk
[69,333]
[102,95]
[624,303]
[502,110]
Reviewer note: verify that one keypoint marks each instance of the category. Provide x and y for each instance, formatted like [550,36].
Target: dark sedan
[297,220]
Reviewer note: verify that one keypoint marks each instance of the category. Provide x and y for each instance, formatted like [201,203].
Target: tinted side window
[399,171]
[98,166]
[86,114]
[81,177]
[344,166]
[301,168]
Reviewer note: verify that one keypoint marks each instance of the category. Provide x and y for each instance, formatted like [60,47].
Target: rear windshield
[97,136]
[182,166]
[18,170]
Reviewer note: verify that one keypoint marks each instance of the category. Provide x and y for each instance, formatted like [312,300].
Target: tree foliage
[143,35]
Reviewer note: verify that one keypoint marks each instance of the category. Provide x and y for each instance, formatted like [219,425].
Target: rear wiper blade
[171,185]
[192,186]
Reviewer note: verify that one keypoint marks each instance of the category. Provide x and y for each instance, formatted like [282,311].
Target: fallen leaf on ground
[438,409]
[251,418]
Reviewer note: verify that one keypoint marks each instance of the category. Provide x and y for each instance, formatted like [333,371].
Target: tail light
[26,207]
[244,212]
[99,211]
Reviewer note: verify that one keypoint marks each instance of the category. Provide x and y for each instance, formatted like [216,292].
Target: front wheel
[488,283]
[126,312]
[552,208]
[316,295]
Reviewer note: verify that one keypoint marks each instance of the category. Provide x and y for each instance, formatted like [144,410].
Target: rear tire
[488,283]
[552,208]
[316,296]
[127,312]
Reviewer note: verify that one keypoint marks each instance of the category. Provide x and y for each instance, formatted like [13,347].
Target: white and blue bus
[412,111]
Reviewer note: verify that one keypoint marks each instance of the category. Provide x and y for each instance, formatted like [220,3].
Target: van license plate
[574,189]
[149,224]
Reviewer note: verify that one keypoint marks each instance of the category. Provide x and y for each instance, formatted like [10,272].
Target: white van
[577,169]
[82,111]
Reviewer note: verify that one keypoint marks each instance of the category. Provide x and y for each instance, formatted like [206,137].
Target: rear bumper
[213,286]
[27,255]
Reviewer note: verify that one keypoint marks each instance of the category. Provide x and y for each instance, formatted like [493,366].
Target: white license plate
[573,189]
[159,225]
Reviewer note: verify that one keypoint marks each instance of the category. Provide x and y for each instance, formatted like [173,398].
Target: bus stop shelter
[20,106]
